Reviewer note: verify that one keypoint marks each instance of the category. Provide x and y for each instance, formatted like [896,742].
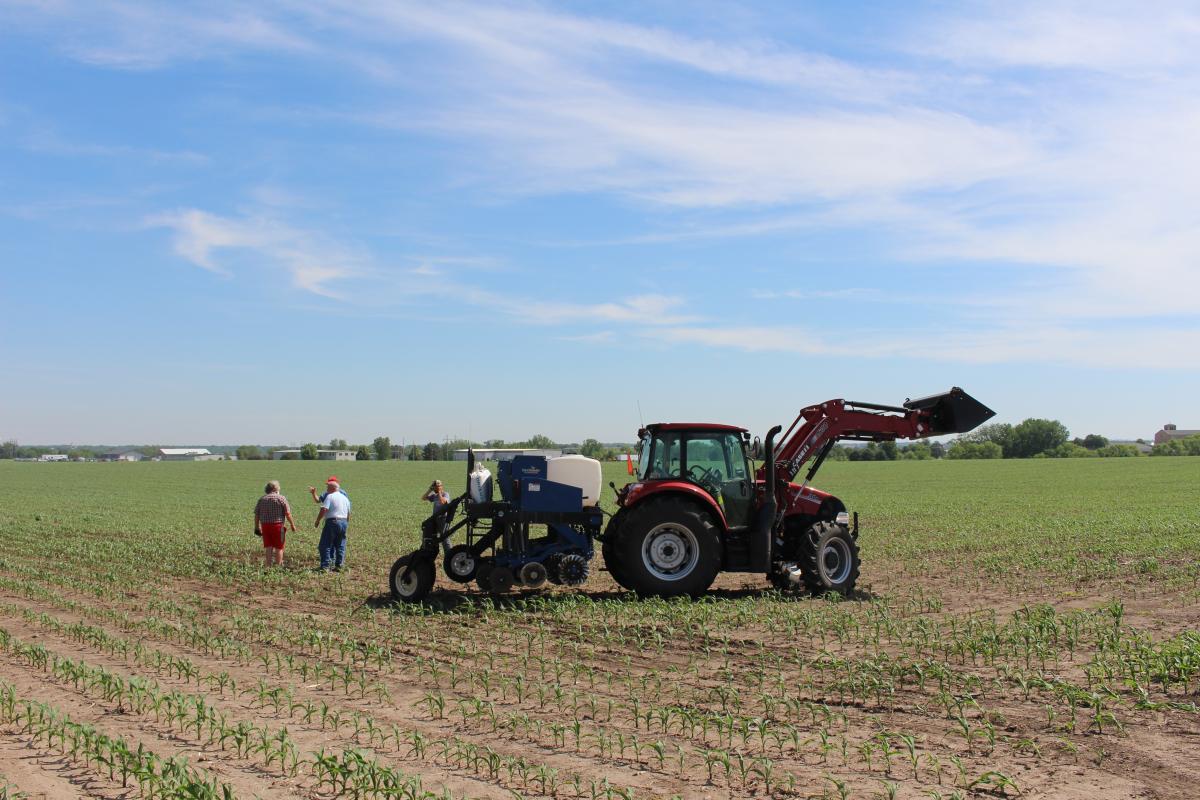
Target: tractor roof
[693,426]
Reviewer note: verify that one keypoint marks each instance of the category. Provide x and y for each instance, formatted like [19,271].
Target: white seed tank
[481,485]
[578,471]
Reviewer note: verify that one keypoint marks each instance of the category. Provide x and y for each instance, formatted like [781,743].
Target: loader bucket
[952,412]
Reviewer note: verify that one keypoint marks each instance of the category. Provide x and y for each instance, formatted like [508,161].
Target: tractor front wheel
[412,578]
[829,559]
[667,548]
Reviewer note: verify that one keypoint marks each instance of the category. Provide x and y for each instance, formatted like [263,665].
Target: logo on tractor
[802,453]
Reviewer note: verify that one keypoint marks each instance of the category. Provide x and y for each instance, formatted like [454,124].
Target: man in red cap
[335,512]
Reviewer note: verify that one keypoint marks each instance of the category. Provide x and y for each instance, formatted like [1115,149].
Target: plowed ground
[1020,629]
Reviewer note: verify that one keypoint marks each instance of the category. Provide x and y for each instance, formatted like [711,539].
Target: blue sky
[285,221]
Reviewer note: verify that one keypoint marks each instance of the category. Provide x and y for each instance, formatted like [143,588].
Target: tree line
[382,449]
[1033,438]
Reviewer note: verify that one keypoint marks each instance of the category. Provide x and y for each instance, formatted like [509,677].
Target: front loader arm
[818,427]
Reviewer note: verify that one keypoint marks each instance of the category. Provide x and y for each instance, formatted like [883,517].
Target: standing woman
[269,515]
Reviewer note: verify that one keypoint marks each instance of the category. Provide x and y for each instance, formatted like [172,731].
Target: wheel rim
[835,561]
[462,563]
[407,586]
[670,552]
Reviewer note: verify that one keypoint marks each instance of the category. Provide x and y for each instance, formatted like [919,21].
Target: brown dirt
[1155,757]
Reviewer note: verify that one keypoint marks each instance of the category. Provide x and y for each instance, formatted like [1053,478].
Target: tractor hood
[954,411]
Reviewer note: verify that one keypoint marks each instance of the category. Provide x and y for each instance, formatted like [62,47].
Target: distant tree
[1069,450]
[540,442]
[838,453]
[290,456]
[591,448]
[338,444]
[889,451]
[9,449]
[383,448]
[308,452]
[918,451]
[493,443]
[363,453]
[415,453]
[964,449]
[1093,441]
[1119,451]
[433,451]
[999,432]
[937,450]
[1189,446]
[1035,436]
[249,452]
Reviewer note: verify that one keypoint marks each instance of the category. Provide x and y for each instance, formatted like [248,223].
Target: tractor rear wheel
[412,578]
[829,558]
[667,548]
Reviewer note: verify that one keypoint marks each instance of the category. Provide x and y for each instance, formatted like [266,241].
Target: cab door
[737,492]
[717,462]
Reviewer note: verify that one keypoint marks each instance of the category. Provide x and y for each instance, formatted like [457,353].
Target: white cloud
[1053,135]
[647,309]
[1137,349]
[313,263]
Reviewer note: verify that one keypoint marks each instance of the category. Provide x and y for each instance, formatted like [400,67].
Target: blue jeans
[332,547]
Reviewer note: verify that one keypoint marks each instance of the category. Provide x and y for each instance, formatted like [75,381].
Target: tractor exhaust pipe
[954,411]
[764,524]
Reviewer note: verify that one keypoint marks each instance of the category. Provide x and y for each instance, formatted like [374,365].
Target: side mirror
[756,449]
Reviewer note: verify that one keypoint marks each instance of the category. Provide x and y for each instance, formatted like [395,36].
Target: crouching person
[270,513]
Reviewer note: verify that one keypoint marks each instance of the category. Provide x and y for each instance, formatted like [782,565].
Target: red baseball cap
[332,479]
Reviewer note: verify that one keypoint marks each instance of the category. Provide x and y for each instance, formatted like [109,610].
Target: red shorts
[272,534]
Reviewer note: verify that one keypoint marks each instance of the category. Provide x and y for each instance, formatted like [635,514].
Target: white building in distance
[322,455]
[188,454]
[122,455]
[504,453]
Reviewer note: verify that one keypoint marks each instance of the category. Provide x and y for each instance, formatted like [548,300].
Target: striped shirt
[272,507]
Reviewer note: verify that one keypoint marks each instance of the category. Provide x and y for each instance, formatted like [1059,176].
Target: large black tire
[412,578]
[612,563]
[829,558]
[667,548]
[608,549]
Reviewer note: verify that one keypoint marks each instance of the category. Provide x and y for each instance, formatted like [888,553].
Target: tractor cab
[712,457]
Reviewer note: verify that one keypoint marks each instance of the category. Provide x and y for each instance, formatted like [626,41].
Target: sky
[279,222]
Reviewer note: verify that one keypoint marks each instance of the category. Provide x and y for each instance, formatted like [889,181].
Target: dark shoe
[337,568]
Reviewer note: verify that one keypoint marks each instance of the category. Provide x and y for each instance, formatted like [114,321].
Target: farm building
[322,455]
[505,453]
[188,454]
[53,457]
[122,455]
[1171,432]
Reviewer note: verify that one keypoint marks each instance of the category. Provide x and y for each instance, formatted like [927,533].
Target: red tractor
[697,508]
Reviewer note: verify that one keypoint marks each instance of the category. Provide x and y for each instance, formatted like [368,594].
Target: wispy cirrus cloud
[1053,136]
[312,262]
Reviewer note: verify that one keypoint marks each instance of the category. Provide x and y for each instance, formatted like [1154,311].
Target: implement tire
[829,558]
[460,564]
[412,578]
[667,547]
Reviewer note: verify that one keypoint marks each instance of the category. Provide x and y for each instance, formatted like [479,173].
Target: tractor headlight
[842,518]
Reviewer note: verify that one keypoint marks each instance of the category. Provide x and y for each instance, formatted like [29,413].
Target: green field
[1020,626]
